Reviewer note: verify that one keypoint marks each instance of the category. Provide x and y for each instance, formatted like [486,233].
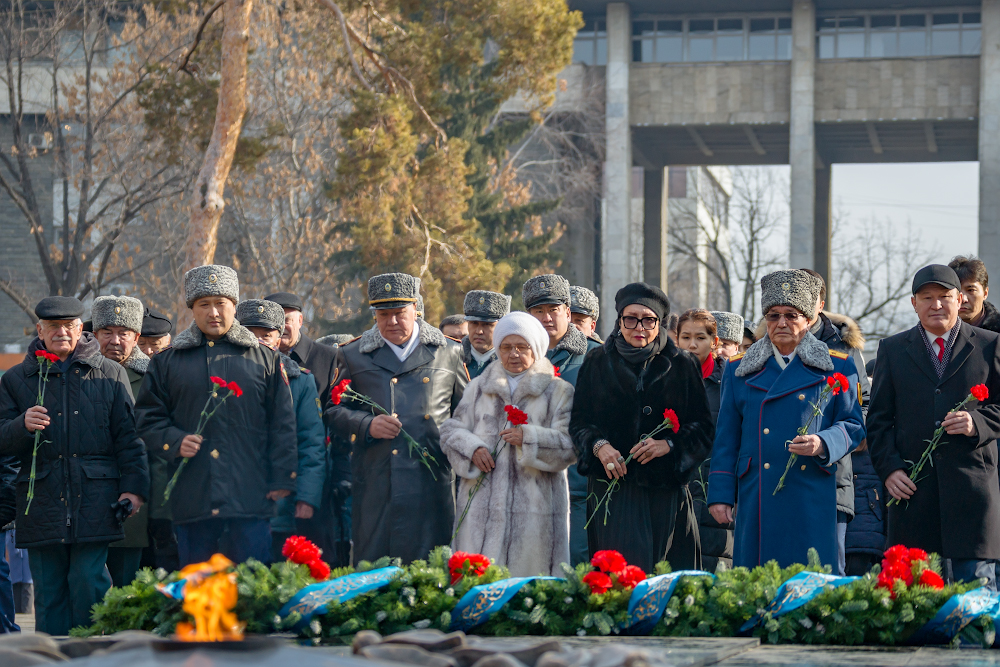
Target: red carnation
[980,392]
[319,570]
[39,353]
[461,564]
[887,582]
[838,382]
[235,388]
[631,576]
[598,582]
[608,561]
[555,372]
[300,550]
[291,544]
[932,579]
[514,416]
[916,554]
[219,381]
[898,552]
[671,416]
[337,393]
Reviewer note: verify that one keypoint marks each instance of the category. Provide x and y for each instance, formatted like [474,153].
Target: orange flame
[210,596]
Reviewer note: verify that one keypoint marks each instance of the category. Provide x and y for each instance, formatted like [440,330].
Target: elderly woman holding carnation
[518,514]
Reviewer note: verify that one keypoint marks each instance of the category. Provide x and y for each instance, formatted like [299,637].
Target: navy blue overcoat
[762,407]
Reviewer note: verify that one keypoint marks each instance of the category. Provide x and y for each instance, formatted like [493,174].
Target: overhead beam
[873,138]
[699,142]
[929,135]
[758,148]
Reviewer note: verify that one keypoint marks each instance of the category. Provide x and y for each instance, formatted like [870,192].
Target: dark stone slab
[864,656]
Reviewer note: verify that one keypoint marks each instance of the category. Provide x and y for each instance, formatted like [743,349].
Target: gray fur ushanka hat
[117,311]
[546,289]
[261,313]
[393,290]
[729,326]
[584,302]
[211,280]
[483,306]
[790,287]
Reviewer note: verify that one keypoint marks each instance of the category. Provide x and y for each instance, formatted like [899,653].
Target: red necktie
[940,344]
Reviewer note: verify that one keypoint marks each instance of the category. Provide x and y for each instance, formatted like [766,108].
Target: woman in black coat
[621,394]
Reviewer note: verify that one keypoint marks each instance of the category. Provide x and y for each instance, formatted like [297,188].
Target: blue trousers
[7,623]
[69,580]
[237,539]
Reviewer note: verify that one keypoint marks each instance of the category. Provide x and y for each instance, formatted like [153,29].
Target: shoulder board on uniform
[355,339]
[736,357]
[839,355]
[305,370]
[457,340]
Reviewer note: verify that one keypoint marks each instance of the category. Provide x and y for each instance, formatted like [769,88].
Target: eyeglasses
[520,349]
[68,325]
[648,323]
[789,317]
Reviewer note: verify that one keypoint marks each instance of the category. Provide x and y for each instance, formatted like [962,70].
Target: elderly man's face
[116,343]
[585,323]
[481,336]
[293,328]
[151,345]
[554,318]
[267,337]
[396,324]
[214,315]
[60,336]
[937,307]
[786,327]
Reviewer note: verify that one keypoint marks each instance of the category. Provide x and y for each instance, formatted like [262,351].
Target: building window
[590,46]
[711,39]
[905,35]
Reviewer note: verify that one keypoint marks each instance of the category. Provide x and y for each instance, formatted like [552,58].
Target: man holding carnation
[246,457]
[928,380]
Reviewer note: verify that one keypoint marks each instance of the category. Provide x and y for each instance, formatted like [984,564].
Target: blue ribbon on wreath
[650,597]
[955,614]
[796,592]
[313,599]
[481,602]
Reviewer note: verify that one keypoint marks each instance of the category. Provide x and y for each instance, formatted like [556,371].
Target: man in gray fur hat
[402,500]
[729,330]
[584,309]
[245,459]
[117,322]
[482,309]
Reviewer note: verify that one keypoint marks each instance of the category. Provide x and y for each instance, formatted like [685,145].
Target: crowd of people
[695,438]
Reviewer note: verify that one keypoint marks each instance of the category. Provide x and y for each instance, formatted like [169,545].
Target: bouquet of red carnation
[612,573]
[461,564]
[212,406]
[671,422]
[906,566]
[344,390]
[978,393]
[301,551]
[835,384]
[46,360]
[515,417]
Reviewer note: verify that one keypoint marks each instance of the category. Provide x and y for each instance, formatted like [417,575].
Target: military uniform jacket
[398,509]
[474,367]
[762,407]
[249,445]
[955,510]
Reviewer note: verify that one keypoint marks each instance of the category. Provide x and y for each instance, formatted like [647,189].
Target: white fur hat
[527,327]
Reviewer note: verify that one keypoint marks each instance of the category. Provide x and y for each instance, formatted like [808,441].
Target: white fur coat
[520,515]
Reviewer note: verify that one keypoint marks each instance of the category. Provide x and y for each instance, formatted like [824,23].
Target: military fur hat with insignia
[211,280]
[261,313]
[393,290]
[483,306]
[117,311]
[546,289]
[583,301]
[155,324]
[790,287]
[59,308]
[730,326]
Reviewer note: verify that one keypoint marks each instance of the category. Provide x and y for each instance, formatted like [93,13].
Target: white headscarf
[525,326]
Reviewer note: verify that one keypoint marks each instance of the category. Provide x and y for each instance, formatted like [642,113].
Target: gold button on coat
[166,448]
[215,453]
[294,475]
[767,466]
[766,431]
[354,436]
[427,416]
[426,380]
[215,512]
[395,380]
[211,343]
[803,467]
[395,451]
[802,397]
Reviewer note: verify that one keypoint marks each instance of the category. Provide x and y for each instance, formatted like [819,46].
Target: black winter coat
[991,318]
[92,454]
[320,360]
[955,510]
[866,534]
[249,446]
[8,499]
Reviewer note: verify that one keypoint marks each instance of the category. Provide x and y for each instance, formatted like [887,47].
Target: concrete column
[989,143]
[823,227]
[655,228]
[617,267]
[802,139]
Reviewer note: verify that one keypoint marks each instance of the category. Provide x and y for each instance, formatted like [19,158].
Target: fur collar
[292,369]
[88,351]
[848,329]
[812,351]
[573,342]
[372,340]
[193,337]
[137,361]
[533,383]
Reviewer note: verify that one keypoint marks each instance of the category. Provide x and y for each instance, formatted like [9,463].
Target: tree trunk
[208,204]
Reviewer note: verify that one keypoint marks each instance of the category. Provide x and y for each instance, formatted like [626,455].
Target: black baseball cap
[938,274]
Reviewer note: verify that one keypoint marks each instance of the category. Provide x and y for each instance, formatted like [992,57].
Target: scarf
[708,367]
[638,357]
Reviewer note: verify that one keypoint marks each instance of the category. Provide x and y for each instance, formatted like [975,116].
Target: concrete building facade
[808,83]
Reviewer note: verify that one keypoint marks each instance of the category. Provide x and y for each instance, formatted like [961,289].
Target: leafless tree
[872,271]
[757,214]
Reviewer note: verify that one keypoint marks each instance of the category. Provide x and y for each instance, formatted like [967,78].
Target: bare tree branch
[197,36]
